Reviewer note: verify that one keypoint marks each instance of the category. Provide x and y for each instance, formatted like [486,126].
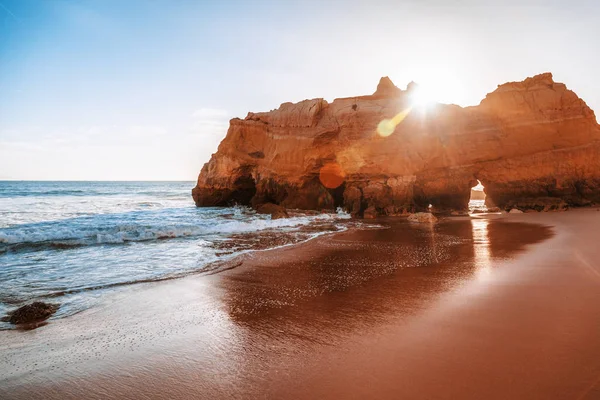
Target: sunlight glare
[421,98]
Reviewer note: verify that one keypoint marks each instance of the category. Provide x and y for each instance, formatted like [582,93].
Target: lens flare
[332,175]
[386,127]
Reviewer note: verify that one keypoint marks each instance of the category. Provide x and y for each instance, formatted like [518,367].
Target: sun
[422,102]
[430,88]
[420,97]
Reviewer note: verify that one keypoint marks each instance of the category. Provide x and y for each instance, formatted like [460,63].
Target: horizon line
[96,180]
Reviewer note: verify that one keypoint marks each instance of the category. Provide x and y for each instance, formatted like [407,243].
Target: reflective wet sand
[471,309]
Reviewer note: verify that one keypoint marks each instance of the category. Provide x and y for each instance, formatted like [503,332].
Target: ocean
[71,242]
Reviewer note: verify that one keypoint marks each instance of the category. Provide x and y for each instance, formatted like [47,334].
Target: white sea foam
[84,232]
[342,214]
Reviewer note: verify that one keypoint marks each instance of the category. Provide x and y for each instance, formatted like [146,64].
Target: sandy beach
[490,307]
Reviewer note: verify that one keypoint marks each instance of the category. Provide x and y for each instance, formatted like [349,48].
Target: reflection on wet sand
[345,284]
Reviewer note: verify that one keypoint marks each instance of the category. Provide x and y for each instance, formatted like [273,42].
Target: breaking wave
[138,227]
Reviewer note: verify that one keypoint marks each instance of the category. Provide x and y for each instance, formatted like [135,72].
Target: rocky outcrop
[526,142]
[422,217]
[273,210]
[31,313]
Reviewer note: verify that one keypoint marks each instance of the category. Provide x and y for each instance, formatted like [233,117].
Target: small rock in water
[275,210]
[370,213]
[422,217]
[515,211]
[460,213]
[30,313]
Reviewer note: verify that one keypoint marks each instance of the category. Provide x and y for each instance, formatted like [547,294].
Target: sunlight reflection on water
[477,206]
[481,245]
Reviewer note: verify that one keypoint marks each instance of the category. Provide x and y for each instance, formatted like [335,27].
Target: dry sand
[497,307]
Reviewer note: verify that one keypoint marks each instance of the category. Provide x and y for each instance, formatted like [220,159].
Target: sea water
[72,242]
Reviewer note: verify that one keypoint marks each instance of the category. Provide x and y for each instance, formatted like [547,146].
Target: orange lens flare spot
[332,175]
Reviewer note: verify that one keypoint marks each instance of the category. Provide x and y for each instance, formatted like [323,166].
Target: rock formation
[31,313]
[422,217]
[274,210]
[533,143]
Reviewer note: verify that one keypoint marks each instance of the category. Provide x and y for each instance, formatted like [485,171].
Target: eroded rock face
[527,142]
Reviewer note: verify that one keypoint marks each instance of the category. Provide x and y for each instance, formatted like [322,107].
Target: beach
[483,307]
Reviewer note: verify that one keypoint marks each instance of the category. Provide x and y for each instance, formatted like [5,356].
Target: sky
[144,89]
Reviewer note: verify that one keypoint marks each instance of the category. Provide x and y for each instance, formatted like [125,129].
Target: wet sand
[497,307]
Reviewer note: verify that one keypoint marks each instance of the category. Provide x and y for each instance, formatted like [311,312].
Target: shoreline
[374,331]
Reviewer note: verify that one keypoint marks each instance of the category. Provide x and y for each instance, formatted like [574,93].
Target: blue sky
[102,89]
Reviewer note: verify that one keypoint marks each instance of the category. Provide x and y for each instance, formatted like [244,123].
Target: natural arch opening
[338,195]
[477,199]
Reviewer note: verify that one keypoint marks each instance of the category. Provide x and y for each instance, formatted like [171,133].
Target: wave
[222,262]
[193,241]
[76,233]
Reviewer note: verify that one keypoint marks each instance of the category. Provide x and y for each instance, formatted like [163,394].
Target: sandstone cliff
[532,143]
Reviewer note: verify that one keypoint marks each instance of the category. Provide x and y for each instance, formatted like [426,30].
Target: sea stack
[532,144]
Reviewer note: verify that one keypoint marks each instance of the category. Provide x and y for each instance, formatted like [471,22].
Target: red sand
[464,311]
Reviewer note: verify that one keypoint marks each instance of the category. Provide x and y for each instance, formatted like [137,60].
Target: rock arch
[533,144]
